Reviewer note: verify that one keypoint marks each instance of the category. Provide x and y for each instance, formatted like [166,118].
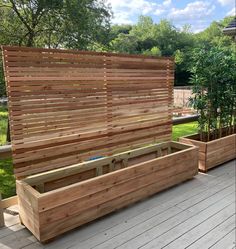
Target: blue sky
[199,14]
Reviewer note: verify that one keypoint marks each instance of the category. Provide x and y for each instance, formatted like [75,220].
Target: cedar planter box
[213,153]
[54,202]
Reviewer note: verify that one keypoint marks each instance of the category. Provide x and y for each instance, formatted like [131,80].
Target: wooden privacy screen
[67,106]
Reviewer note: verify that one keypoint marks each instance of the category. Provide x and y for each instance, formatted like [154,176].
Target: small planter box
[54,202]
[213,153]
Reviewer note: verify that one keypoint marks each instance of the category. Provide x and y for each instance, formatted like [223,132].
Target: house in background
[231,29]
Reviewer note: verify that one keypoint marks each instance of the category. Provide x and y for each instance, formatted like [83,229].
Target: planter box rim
[202,142]
[185,147]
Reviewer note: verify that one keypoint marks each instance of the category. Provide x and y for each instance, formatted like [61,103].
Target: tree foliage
[80,24]
[68,23]
[214,88]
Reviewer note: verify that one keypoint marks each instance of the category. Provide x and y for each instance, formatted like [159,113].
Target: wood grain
[67,203]
[67,106]
[213,153]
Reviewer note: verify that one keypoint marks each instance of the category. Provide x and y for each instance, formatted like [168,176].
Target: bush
[214,87]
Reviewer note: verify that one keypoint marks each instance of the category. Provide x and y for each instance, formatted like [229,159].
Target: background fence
[181,96]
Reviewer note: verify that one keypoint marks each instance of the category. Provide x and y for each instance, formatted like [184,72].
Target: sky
[199,14]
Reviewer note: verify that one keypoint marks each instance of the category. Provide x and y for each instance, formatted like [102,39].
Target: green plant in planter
[214,88]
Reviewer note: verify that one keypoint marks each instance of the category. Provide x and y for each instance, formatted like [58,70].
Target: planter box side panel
[28,208]
[168,171]
[215,152]
[220,151]
[202,151]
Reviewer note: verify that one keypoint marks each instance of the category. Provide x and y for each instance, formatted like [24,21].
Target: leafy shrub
[214,86]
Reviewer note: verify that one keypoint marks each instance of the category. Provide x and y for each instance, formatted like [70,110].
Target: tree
[214,88]
[155,51]
[68,23]
[145,33]
[166,38]
[118,29]
[124,43]
[213,35]
[80,24]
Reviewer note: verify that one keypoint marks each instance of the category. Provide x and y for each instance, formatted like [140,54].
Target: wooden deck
[196,214]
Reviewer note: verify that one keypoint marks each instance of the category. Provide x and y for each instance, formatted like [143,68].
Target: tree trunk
[30,41]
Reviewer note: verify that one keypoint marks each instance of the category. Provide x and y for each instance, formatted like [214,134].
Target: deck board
[199,213]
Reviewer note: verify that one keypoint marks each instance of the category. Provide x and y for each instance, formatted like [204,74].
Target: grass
[184,130]
[7,179]
[3,124]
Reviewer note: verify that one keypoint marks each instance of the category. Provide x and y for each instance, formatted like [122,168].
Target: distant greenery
[163,38]
[3,124]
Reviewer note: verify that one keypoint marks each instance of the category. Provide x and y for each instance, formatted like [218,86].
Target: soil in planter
[213,136]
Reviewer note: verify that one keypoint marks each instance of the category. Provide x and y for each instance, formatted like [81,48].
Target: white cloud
[192,11]
[196,13]
[125,10]
[162,7]
[227,2]
[133,5]
[167,3]
[232,12]
[122,18]
[159,11]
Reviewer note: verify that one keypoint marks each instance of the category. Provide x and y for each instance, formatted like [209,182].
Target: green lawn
[183,130]
[3,124]
[7,180]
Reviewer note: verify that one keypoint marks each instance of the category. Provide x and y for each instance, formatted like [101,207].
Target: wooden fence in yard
[181,96]
[68,106]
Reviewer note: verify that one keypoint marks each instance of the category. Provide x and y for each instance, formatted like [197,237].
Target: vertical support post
[1,213]
[107,62]
[170,91]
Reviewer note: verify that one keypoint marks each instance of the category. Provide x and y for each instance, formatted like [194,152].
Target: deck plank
[211,237]
[196,214]
[167,198]
[160,234]
[186,237]
[146,222]
[227,242]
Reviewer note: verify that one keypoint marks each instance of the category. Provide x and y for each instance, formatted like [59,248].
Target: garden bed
[214,152]
[54,202]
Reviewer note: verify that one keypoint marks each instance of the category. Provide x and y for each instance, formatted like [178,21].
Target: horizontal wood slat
[67,106]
